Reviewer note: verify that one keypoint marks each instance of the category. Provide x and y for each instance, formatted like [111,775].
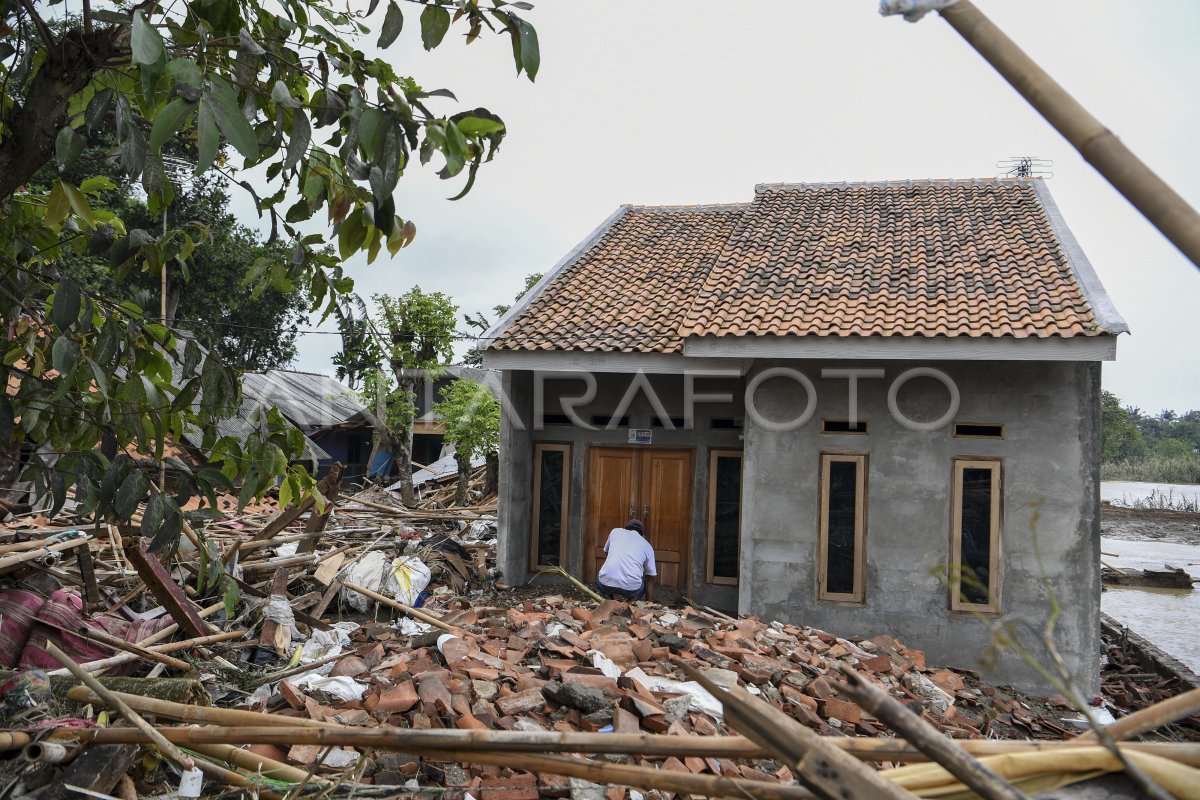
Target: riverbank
[1154,525]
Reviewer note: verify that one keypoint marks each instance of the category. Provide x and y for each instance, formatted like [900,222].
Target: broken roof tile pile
[977,258]
[551,664]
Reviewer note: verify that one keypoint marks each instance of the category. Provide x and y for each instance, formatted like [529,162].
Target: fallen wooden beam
[164,588]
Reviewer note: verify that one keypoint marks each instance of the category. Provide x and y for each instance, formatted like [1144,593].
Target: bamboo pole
[172,647]
[253,762]
[828,771]
[926,738]
[1149,718]
[396,604]
[105,638]
[172,752]
[1099,146]
[30,555]
[235,726]
[13,740]
[115,661]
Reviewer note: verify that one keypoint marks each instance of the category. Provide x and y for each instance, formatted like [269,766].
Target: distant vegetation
[1164,448]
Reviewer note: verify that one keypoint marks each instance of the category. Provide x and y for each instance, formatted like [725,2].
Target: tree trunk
[462,496]
[402,442]
[73,61]
[491,475]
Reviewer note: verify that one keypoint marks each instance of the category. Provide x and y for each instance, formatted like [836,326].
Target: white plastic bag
[403,578]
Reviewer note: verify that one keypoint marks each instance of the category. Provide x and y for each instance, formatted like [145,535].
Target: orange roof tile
[979,258]
[632,288]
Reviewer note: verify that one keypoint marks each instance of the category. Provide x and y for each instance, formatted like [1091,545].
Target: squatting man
[628,572]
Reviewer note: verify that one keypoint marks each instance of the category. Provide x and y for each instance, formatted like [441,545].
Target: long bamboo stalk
[926,738]
[396,604]
[829,772]
[234,726]
[30,555]
[105,638]
[253,762]
[1147,719]
[172,752]
[171,647]
[1099,146]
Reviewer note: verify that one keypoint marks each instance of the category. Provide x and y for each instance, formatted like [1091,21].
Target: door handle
[632,510]
[645,511]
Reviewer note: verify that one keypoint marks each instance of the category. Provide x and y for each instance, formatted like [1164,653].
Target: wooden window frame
[996,466]
[711,533]
[954,430]
[564,524]
[857,597]
[866,423]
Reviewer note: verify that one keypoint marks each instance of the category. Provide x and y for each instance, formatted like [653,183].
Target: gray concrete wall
[515,509]
[1050,488]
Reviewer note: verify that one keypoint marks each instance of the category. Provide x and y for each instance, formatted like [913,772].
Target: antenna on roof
[1025,167]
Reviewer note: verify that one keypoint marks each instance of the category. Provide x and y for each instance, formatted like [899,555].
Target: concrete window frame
[565,503]
[826,423]
[968,424]
[858,596]
[711,533]
[996,467]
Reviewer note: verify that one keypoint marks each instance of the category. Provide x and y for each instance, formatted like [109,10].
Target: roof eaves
[1103,308]
[493,333]
[780,187]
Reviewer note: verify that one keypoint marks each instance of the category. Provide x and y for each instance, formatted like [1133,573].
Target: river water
[1170,618]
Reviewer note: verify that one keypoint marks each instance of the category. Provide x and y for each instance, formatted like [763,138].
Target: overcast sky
[696,102]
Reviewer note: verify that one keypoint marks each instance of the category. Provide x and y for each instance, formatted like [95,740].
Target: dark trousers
[621,594]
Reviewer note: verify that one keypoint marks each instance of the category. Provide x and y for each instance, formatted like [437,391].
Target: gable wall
[1050,456]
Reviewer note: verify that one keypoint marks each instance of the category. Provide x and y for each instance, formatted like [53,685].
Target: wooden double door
[650,484]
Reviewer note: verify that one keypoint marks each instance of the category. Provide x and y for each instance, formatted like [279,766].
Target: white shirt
[629,557]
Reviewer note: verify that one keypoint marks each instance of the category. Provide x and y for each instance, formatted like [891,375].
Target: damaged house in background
[863,407]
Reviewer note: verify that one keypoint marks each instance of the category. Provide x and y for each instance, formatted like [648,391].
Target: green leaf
[371,130]
[185,71]
[79,203]
[435,21]
[67,147]
[393,23]
[98,108]
[479,126]
[169,523]
[168,121]
[223,100]
[64,355]
[130,493]
[58,206]
[299,141]
[133,152]
[207,135]
[146,43]
[281,95]
[351,234]
[66,304]
[525,46]
[231,597]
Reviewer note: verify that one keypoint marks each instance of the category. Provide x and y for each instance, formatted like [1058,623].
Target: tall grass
[1153,469]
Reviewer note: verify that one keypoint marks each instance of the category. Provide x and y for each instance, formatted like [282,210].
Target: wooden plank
[87,573]
[160,583]
[98,768]
[317,522]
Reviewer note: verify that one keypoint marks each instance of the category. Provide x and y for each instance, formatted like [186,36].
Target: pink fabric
[18,609]
[62,615]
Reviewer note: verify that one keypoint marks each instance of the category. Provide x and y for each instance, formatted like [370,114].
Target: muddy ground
[1177,527]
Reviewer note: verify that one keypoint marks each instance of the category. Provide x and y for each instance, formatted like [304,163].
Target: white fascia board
[1093,290]
[582,361]
[1076,348]
[566,261]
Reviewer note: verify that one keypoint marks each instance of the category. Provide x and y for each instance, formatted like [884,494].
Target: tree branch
[42,28]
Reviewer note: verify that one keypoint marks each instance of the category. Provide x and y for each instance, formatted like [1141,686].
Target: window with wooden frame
[724,516]
[975,535]
[551,487]
[978,430]
[842,531]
